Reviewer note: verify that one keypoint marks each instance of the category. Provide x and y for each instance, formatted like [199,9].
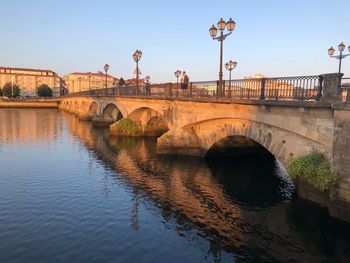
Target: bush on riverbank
[316,170]
[125,127]
[44,91]
[11,91]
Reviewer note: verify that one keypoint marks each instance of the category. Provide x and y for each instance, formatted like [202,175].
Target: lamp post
[137,56]
[230,66]
[177,75]
[341,48]
[221,25]
[89,82]
[106,68]
[79,84]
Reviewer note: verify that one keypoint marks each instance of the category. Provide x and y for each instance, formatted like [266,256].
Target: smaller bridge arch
[151,121]
[83,108]
[111,113]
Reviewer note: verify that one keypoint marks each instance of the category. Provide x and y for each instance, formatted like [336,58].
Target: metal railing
[301,88]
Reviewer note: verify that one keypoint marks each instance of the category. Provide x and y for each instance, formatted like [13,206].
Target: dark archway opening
[248,172]
[111,113]
[93,109]
[237,146]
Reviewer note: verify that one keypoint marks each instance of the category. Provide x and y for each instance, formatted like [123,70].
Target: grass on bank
[316,170]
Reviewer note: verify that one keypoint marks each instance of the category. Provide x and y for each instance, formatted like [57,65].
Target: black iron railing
[301,88]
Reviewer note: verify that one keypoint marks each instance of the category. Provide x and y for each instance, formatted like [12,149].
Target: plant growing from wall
[125,127]
[44,91]
[316,170]
[11,91]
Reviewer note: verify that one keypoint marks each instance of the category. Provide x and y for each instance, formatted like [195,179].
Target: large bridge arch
[198,138]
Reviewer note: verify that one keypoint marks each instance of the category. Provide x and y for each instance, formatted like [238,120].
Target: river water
[72,193]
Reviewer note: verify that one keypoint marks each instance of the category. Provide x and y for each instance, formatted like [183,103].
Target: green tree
[11,91]
[121,82]
[44,91]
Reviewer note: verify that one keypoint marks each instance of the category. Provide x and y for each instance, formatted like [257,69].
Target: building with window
[80,81]
[29,80]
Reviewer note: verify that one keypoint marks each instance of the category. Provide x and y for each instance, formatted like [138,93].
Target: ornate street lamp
[230,66]
[106,68]
[177,75]
[341,48]
[221,25]
[137,56]
[147,78]
[79,84]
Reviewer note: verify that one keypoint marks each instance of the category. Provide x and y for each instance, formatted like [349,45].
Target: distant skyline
[274,38]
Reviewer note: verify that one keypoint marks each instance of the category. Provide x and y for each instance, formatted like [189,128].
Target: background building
[79,81]
[29,80]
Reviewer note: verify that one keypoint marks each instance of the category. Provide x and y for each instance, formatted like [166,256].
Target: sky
[274,38]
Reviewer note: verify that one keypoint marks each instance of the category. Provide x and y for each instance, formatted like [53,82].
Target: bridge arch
[198,138]
[70,107]
[151,121]
[236,145]
[76,106]
[83,107]
[110,113]
[94,109]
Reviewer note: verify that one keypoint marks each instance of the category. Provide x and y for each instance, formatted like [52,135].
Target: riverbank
[32,104]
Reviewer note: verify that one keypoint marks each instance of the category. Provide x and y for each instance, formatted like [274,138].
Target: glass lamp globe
[331,51]
[221,24]
[213,31]
[230,25]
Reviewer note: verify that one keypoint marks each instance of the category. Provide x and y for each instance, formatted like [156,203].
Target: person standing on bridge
[184,83]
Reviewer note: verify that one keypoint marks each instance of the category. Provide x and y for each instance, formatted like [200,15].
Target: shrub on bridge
[44,91]
[316,170]
[125,127]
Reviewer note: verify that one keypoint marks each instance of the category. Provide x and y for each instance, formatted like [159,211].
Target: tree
[121,82]
[44,91]
[11,91]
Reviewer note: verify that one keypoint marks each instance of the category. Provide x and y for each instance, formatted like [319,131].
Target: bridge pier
[180,142]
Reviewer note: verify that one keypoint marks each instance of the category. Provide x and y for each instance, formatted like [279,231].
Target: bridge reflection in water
[242,205]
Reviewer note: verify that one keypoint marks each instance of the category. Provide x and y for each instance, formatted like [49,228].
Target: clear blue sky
[275,38]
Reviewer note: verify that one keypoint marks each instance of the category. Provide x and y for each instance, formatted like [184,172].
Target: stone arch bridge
[285,129]
[194,127]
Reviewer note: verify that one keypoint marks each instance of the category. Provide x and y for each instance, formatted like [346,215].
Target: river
[72,193]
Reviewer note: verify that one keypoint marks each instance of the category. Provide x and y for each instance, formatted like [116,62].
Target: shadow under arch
[237,145]
[257,177]
[83,106]
[152,122]
[76,106]
[93,109]
[111,113]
